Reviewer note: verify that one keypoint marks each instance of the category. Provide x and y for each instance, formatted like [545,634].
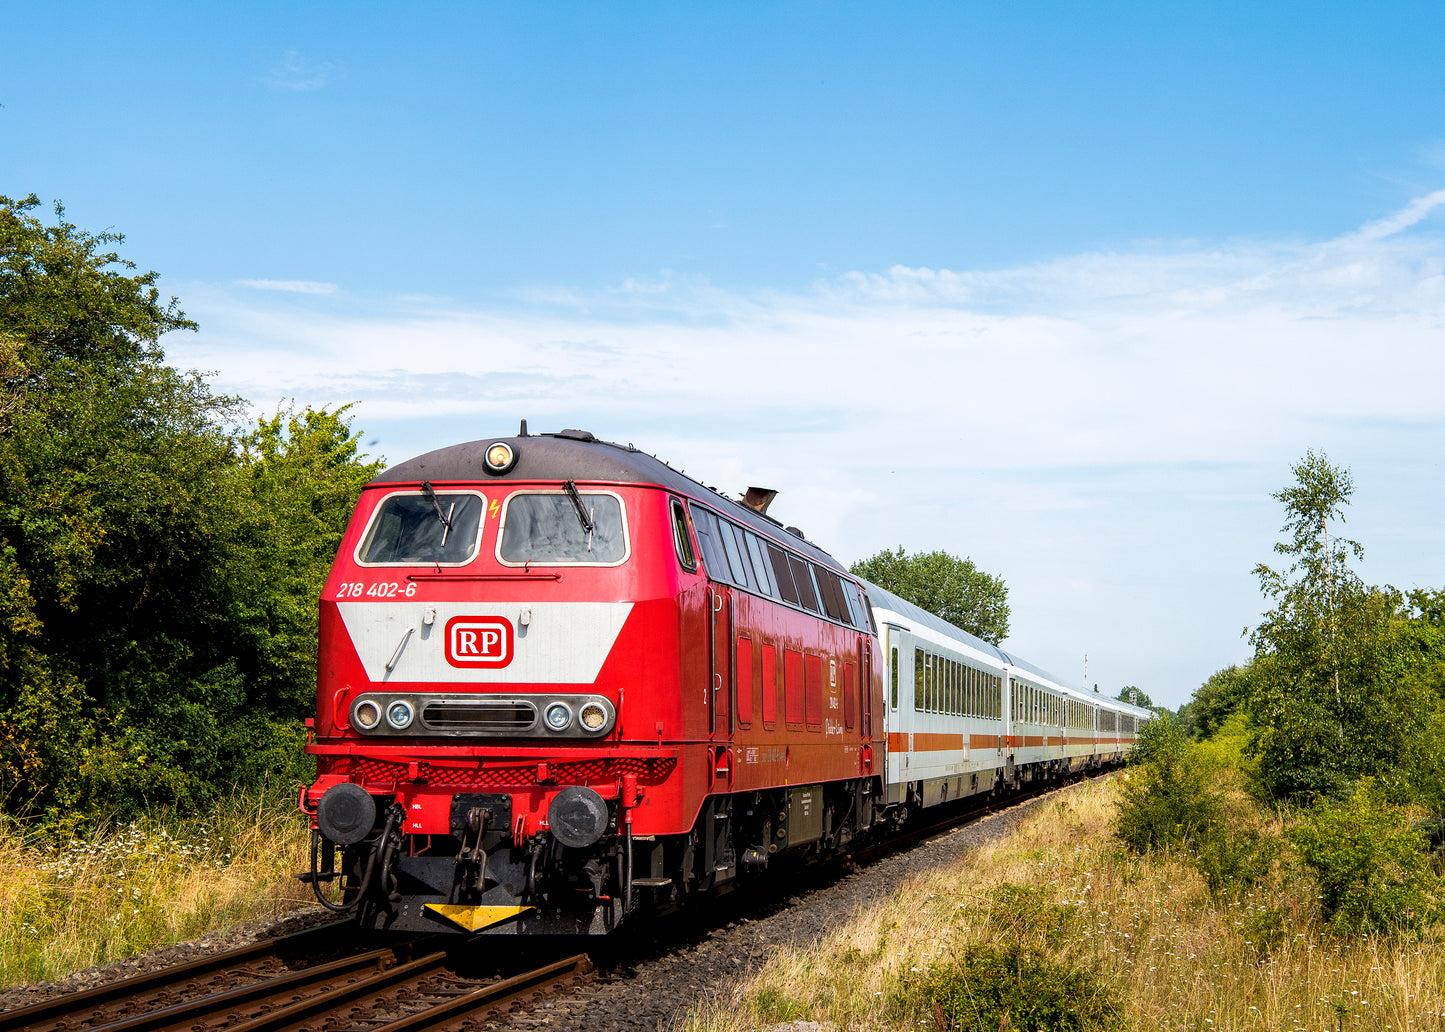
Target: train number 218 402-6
[380,589]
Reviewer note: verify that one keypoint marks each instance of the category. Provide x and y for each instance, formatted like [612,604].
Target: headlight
[500,457]
[592,717]
[399,714]
[366,715]
[558,716]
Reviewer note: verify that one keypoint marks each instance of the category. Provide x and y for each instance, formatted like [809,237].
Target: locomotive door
[719,649]
[865,687]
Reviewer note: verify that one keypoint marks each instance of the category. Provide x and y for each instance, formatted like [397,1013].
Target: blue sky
[1062,287]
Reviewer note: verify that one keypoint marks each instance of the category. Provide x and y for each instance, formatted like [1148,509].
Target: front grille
[380,775]
[504,716]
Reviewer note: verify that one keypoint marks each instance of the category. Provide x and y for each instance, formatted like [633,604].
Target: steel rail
[490,996]
[46,1011]
[299,1013]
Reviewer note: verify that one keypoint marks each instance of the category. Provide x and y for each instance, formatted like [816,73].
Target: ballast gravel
[655,991]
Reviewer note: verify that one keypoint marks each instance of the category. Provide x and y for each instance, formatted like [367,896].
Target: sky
[1065,288]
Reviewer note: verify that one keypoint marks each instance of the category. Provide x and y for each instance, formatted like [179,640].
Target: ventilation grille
[508,716]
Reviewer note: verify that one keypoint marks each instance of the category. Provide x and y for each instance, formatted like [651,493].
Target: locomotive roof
[578,455]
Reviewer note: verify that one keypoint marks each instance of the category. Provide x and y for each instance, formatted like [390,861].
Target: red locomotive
[559,681]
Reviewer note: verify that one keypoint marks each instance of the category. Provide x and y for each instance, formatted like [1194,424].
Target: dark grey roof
[577,455]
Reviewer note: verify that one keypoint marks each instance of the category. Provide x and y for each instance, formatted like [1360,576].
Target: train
[560,685]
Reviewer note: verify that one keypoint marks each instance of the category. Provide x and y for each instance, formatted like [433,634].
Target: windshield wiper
[445,517]
[571,488]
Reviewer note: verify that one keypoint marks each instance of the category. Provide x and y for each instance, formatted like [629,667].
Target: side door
[721,684]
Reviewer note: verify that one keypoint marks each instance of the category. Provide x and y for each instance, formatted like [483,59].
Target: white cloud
[1094,427]
[289,286]
[294,72]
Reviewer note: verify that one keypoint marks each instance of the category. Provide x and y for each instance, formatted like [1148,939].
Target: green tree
[1326,704]
[1135,696]
[1216,699]
[950,587]
[158,571]
[303,472]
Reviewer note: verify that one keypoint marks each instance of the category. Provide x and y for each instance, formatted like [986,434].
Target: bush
[992,988]
[1373,870]
[1231,853]
[1165,799]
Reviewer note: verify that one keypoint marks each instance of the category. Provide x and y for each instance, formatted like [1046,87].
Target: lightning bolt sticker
[495,508]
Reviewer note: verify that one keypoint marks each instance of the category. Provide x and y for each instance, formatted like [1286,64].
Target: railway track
[322,980]
[419,984]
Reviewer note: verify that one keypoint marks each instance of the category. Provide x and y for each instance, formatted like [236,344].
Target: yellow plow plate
[474,919]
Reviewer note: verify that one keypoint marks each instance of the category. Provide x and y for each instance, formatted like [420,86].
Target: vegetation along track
[420,983]
[323,979]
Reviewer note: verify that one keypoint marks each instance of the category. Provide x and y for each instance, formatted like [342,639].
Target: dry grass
[1147,928]
[146,884]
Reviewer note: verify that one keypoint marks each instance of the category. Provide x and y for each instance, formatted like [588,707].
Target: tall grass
[130,888]
[1145,933]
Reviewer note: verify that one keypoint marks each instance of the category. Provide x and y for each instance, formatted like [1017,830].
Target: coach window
[918,680]
[894,662]
[681,539]
[416,528]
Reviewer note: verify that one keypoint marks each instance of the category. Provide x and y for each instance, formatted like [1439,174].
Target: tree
[1324,706]
[945,585]
[1135,696]
[158,571]
[1216,700]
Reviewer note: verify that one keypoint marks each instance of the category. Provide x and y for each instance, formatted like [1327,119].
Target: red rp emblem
[478,641]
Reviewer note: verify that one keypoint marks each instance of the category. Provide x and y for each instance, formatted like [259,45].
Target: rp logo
[478,641]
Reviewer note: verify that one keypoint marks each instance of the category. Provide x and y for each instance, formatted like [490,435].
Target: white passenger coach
[965,717]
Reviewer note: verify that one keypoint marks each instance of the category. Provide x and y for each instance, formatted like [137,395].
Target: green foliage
[1216,700]
[1011,987]
[1171,800]
[1372,868]
[1135,696]
[1166,800]
[1026,914]
[1225,749]
[158,572]
[945,585]
[1345,677]
[1233,854]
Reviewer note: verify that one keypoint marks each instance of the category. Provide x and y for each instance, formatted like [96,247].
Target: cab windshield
[549,528]
[418,529]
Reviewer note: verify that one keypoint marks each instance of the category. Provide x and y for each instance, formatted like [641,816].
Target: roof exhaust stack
[523,431]
[759,498]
